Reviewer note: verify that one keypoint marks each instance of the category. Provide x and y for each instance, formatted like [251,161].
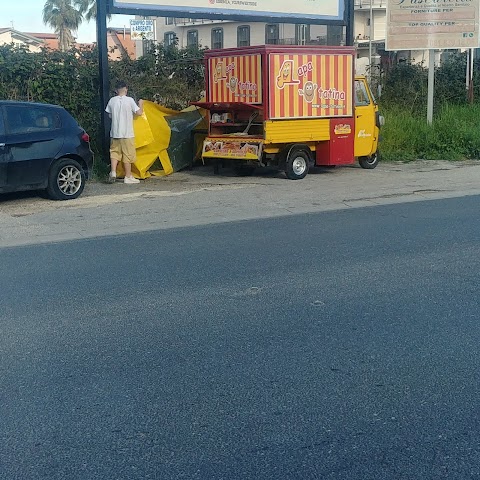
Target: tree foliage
[64,18]
[406,84]
[88,9]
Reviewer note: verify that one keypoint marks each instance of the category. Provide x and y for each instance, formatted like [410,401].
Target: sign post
[414,25]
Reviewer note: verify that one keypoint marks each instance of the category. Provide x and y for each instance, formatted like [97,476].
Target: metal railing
[196,21]
[366,4]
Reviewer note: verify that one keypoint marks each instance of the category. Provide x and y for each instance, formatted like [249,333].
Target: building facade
[20,39]
[227,34]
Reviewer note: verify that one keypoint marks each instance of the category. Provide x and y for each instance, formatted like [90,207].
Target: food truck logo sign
[235,83]
[285,75]
[309,90]
[325,96]
[221,72]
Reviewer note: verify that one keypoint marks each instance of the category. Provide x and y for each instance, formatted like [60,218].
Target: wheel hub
[69,180]
[299,165]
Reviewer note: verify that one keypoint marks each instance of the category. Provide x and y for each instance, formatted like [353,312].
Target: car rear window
[28,119]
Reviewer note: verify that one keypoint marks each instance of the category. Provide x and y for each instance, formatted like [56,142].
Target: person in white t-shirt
[121,110]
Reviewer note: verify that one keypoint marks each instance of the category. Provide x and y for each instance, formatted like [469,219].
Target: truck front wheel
[369,162]
[297,164]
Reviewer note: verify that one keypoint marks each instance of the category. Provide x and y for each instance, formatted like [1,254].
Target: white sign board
[312,10]
[142,29]
[432,24]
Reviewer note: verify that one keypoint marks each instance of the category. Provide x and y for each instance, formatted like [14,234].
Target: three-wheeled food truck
[289,106]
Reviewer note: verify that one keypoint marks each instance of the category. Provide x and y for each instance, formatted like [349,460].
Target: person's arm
[140,108]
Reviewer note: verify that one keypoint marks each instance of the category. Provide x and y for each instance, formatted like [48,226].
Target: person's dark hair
[120,84]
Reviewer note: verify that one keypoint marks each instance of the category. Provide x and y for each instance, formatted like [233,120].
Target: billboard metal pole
[103,74]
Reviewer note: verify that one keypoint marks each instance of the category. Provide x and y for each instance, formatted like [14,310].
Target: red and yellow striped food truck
[289,106]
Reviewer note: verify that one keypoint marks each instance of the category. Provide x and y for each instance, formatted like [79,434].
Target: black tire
[369,162]
[66,180]
[244,170]
[297,165]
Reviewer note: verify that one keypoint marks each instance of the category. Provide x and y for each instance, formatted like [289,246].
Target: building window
[272,33]
[243,36]
[302,34]
[169,39]
[148,46]
[192,38]
[169,20]
[217,37]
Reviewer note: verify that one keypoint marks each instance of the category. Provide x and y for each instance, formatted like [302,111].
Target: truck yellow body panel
[297,131]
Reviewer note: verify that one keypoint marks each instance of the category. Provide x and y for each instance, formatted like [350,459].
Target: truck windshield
[361,94]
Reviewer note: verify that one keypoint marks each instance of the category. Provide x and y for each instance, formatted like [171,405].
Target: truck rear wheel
[297,164]
[369,162]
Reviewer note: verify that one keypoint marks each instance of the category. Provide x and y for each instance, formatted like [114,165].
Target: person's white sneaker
[112,176]
[131,180]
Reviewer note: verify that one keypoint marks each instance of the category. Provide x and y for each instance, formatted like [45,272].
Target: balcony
[188,22]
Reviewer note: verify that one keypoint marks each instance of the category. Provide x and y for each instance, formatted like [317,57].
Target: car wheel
[66,180]
[369,162]
[297,165]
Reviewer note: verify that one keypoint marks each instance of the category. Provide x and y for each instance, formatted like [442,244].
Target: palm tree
[88,8]
[64,18]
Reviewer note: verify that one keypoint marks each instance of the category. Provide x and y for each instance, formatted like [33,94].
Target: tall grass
[453,135]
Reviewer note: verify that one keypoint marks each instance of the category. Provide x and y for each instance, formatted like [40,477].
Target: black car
[42,147]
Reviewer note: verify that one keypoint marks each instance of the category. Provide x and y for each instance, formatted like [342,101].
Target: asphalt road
[335,345]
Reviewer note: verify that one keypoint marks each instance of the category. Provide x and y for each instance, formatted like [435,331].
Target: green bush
[453,135]
[169,75]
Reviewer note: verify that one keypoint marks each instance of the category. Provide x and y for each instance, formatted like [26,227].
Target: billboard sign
[432,24]
[314,11]
[142,29]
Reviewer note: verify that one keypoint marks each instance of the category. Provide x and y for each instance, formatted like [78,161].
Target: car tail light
[86,137]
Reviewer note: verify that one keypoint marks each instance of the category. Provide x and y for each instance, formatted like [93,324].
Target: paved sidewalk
[198,197]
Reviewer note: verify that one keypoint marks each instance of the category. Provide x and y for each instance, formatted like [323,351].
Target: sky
[26,16]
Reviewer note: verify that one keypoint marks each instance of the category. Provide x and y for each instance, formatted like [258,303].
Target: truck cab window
[361,95]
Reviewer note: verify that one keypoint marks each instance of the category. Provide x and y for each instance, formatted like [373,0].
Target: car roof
[37,104]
